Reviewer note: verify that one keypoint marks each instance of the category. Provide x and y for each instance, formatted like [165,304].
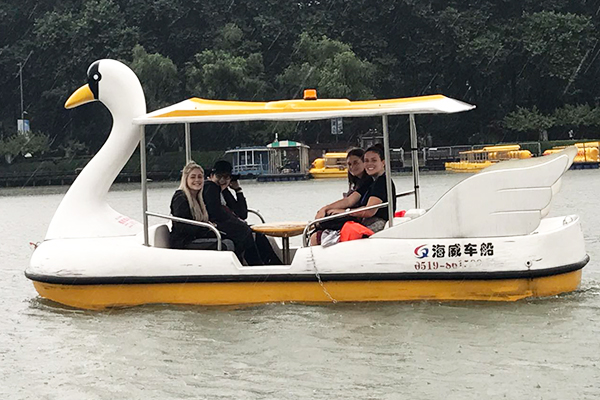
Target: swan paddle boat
[487,238]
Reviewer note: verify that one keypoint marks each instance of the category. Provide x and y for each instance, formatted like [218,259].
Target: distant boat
[331,165]
[278,161]
[249,162]
[476,160]
[289,161]
[587,155]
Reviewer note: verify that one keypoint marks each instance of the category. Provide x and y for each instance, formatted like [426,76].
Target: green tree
[73,147]
[332,68]
[229,71]
[579,117]
[20,144]
[329,66]
[556,52]
[497,55]
[158,75]
[161,83]
[556,43]
[530,121]
[66,41]
[219,74]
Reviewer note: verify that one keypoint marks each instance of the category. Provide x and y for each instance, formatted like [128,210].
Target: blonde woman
[187,203]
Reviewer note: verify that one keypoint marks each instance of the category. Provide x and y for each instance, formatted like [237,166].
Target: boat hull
[328,173]
[121,271]
[467,166]
[102,296]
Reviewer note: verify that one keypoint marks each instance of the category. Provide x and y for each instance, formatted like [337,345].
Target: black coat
[182,234]
[228,218]
[235,207]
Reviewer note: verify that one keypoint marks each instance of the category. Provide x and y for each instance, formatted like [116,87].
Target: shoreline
[46,179]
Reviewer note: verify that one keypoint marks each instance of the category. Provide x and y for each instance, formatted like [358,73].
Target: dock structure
[254,162]
[35,179]
[438,156]
[283,177]
[586,165]
[430,158]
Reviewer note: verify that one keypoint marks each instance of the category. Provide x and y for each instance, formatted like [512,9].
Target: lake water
[540,349]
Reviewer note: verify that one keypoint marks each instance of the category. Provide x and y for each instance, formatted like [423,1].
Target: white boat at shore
[487,238]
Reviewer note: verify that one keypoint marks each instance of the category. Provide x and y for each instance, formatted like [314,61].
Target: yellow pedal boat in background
[476,160]
[331,165]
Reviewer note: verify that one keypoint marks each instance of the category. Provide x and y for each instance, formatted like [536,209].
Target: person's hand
[235,185]
[335,211]
[321,213]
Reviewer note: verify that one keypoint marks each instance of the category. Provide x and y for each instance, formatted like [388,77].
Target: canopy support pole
[143,178]
[415,158]
[388,170]
[188,143]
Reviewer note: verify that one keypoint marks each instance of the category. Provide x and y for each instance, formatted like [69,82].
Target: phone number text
[455,264]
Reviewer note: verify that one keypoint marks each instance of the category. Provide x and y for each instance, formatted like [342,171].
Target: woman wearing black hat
[228,214]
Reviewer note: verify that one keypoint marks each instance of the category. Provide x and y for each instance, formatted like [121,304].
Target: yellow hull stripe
[325,174]
[103,296]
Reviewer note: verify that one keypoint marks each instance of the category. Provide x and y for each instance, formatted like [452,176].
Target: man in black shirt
[228,214]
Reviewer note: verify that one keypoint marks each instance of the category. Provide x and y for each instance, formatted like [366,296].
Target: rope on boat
[34,245]
[314,264]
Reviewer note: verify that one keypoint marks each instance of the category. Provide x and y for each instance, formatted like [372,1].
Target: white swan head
[112,83]
[83,211]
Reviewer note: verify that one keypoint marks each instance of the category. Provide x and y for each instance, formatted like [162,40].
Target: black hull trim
[390,276]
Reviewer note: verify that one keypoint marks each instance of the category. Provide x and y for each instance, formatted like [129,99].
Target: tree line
[532,68]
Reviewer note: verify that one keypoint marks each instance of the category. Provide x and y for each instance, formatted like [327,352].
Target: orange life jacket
[353,230]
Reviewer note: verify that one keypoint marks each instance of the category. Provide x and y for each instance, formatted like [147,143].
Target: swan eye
[94,77]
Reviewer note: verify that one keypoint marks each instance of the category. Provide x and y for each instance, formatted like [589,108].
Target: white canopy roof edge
[201,110]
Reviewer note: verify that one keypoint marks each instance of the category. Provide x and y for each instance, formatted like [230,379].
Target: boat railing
[256,212]
[190,222]
[346,213]
[142,122]
[248,167]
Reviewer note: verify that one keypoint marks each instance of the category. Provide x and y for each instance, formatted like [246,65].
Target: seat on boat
[210,244]
[408,215]
[158,236]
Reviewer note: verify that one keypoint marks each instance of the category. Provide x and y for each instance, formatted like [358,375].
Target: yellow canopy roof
[202,110]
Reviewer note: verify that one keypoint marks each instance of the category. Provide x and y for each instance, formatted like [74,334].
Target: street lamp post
[21,65]
[21,86]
